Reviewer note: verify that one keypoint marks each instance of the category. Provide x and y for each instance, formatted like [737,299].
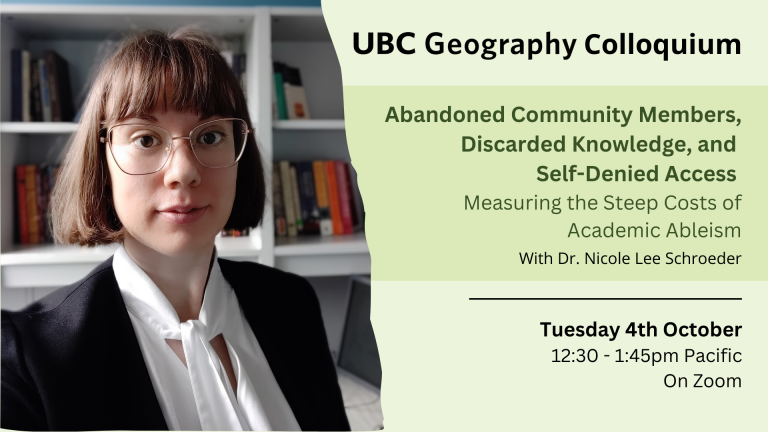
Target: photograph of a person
[165,334]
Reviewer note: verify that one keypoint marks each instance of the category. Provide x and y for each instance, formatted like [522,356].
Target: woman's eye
[146,141]
[211,137]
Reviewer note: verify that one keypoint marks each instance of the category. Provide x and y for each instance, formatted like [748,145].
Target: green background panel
[414,177]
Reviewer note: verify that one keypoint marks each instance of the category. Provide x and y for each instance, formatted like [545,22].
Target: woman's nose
[182,167]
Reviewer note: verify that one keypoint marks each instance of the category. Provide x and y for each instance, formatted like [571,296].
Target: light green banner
[450,363]
[535,192]
[561,183]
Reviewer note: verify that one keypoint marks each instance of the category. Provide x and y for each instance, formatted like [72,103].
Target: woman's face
[180,208]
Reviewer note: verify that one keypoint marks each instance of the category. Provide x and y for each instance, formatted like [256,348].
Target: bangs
[137,88]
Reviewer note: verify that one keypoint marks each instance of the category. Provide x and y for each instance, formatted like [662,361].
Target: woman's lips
[183,216]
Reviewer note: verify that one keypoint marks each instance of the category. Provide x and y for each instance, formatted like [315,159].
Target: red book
[40,205]
[352,205]
[333,194]
[21,203]
[32,225]
[346,213]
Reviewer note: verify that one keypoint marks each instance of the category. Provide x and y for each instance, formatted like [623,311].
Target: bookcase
[294,35]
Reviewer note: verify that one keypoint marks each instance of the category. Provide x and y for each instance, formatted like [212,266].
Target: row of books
[234,233]
[40,88]
[289,101]
[34,184]
[314,197]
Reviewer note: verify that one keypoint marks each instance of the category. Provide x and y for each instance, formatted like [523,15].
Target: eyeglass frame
[108,142]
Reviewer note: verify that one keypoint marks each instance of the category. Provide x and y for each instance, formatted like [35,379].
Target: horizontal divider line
[605,298]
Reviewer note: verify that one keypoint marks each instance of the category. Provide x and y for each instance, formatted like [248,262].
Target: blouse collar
[142,297]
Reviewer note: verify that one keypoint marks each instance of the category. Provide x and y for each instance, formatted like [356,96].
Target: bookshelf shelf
[54,254]
[295,35]
[56,265]
[317,245]
[239,247]
[323,256]
[228,247]
[38,127]
[309,124]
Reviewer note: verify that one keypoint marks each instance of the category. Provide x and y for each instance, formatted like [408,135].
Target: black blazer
[71,361]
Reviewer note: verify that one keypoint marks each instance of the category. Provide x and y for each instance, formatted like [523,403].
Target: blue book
[310,214]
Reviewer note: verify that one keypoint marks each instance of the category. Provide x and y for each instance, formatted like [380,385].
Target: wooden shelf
[38,127]
[309,124]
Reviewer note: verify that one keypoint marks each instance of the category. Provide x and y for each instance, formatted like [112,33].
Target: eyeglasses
[144,149]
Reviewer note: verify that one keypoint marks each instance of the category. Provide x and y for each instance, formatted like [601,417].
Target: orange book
[321,195]
[333,193]
[32,215]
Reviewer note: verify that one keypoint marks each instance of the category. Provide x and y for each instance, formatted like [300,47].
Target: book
[59,87]
[40,205]
[46,172]
[309,212]
[26,85]
[277,203]
[333,198]
[356,219]
[282,111]
[53,87]
[275,116]
[36,106]
[66,101]
[285,179]
[50,179]
[21,204]
[295,97]
[31,195]
[296,201]
[45,95]
[34,185]
[344,197]
[16,114]
[236,66]
[296,101]
[321,196]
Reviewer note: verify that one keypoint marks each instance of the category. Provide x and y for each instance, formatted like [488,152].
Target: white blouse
[199,396]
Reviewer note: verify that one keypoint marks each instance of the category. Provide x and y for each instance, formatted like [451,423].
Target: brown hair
[132,83]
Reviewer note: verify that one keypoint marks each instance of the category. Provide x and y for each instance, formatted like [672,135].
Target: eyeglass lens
[143,149]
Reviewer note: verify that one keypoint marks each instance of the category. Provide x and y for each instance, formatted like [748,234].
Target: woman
[165,335]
